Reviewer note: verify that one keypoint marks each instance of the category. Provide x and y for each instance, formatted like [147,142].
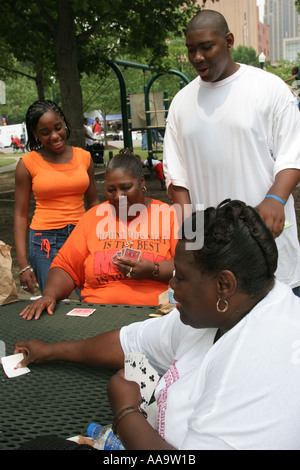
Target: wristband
[275,197]
[123,413]
[25,269]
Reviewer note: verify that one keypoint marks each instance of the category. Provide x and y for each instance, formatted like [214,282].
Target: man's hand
[272,213]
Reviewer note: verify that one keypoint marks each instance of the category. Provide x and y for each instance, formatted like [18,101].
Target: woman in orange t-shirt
[60,177]
[120,251]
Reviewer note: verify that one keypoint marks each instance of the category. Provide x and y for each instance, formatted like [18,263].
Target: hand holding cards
[10,364]
[127,253]
[138,369]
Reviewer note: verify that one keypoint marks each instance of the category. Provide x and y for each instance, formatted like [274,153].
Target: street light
[262,59]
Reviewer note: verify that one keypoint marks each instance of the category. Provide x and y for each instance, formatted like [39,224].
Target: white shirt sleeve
[286,133]
[173,157]
[157,338]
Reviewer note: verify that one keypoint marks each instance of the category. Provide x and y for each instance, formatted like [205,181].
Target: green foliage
[282,69]
[20,92]
[104,29]
[245,55]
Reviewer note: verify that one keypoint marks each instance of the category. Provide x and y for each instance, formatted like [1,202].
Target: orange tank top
[58,189]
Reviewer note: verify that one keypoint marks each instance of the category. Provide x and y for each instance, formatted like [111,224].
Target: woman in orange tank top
[60,177]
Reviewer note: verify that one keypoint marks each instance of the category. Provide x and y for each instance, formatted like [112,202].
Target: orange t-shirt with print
[99,235]
[58,189]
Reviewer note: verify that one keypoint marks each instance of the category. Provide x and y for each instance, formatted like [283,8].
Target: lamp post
[262,59]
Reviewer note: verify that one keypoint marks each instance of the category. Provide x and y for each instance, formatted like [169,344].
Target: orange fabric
[87,254]
[46,246]
[58,189]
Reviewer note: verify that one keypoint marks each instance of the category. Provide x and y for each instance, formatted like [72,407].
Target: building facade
[283,19]
[243,20]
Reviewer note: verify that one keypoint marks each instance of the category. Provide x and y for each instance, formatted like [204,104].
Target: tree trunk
[68,75]
[40,84]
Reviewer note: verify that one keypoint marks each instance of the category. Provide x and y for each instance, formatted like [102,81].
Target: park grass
[136,150]
[6,161]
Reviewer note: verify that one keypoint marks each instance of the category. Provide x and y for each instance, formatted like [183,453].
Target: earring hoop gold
[144,189]
[225,308]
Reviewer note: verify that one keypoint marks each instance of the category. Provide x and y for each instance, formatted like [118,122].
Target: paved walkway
[11,167]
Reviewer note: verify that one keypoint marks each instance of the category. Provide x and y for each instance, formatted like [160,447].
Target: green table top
[57,398]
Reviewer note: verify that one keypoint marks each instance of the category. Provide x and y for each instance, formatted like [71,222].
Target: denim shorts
[43,247]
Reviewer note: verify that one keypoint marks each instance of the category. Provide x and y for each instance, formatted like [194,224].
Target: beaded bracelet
[123,413]
[275,197]
[155,271]
[25,269]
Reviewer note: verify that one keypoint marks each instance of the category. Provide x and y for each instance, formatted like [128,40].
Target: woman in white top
[228,356]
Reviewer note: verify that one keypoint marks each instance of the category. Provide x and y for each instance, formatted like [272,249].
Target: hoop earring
[225,308]
[144,189]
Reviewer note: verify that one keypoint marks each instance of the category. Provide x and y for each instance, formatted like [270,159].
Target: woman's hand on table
[35,309]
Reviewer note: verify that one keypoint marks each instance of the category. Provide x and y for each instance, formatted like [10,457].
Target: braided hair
[33,115]
[126,160]
[237,239]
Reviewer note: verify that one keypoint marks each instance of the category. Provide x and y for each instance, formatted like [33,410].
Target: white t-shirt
[229,139]
[241,392]
[89,141]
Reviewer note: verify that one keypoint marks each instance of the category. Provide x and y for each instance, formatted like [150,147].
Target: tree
[245,55]
[63,38]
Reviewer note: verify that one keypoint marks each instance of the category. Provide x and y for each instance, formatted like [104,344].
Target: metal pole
[124,109]
[147,105]
[123,94]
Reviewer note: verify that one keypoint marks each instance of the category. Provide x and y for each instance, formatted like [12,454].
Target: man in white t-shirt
[89,136]
[234,132]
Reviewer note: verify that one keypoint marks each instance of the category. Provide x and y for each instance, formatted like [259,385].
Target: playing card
[131,254]
[81,312]
[138,369]
[9,364]
[131,364]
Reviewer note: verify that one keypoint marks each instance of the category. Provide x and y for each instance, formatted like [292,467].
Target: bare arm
[23,184]
[91,195]
[272,210]
[145,269]
[294,77]
[134,430]
[181,197]
[103,350]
